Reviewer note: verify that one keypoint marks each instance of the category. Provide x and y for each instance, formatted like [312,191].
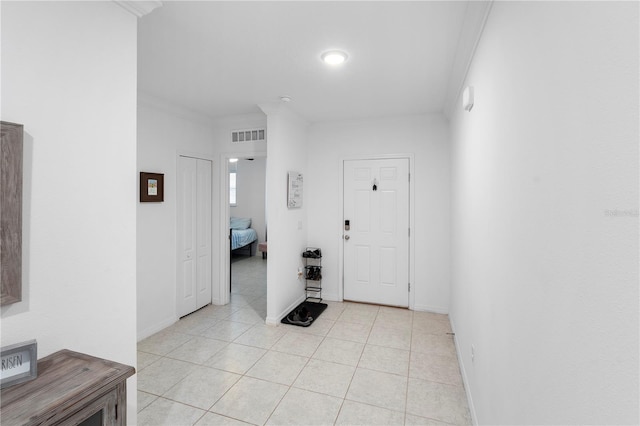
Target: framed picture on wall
[151,187]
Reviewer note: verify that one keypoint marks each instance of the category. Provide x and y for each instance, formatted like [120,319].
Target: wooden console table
[71,389]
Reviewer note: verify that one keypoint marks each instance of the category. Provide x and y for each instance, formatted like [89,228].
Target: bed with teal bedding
[241,235]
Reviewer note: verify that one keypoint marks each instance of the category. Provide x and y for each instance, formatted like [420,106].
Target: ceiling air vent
[248,135]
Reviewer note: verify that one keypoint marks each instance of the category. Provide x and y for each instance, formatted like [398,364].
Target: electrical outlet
[473,352]
[300,273]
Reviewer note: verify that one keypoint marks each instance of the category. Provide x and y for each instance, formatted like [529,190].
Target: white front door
[194,234]
[376,245]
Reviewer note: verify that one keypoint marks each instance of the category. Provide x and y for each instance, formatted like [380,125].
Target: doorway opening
[246,226]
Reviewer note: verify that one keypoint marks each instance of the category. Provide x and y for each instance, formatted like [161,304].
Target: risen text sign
[19,363]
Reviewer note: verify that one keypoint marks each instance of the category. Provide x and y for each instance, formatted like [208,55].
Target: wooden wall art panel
[11,212]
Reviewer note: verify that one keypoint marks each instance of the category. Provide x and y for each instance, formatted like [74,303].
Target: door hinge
[409,177]
[409,232]
[409,288]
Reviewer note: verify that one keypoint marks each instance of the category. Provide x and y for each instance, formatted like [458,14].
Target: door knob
[346,237]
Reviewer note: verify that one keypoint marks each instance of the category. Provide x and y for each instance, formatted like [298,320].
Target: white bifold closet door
[193,234]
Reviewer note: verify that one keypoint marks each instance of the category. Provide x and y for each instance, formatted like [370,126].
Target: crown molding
[139,8]
[149,100]
[474,21]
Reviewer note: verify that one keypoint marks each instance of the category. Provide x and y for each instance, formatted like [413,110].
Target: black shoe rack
[313,274]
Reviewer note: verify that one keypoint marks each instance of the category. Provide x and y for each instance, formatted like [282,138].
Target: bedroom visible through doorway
[247,229]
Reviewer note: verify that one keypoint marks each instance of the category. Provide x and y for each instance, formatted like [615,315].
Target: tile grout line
[323,339]
[300,372]
[192,337]
[354,371]
[406,398]
[357,364]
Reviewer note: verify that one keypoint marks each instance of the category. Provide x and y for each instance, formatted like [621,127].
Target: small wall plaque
[294,190]
[19,363]
[151,187]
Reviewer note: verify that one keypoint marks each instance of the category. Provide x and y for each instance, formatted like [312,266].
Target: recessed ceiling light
[334,57]
[233,160]
[285,98]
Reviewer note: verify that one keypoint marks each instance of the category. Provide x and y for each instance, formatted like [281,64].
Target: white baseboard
[149,331]
[434,309]
[271,321]
[463,372]
[331,297]
[276,320]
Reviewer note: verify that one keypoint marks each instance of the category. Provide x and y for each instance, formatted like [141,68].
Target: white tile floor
[356,365]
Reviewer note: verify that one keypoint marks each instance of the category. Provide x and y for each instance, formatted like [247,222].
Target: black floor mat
[315,309]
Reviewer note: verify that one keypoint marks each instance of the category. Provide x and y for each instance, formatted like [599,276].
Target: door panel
[194,234]
[188,280]
[388,263]
[376,252]
[363,262]
[361,215]
[204,233]
[388,212]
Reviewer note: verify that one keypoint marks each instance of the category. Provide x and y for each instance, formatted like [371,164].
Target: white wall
[223,126]
[164,131]
[69,75]
[425,137]
[545,277]
[225,149]
[286,151]
[250,190]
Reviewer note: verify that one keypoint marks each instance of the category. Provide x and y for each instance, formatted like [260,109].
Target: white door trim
[223,204]
[411,220]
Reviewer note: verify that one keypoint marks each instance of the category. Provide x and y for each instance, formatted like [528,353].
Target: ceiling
[226,58]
